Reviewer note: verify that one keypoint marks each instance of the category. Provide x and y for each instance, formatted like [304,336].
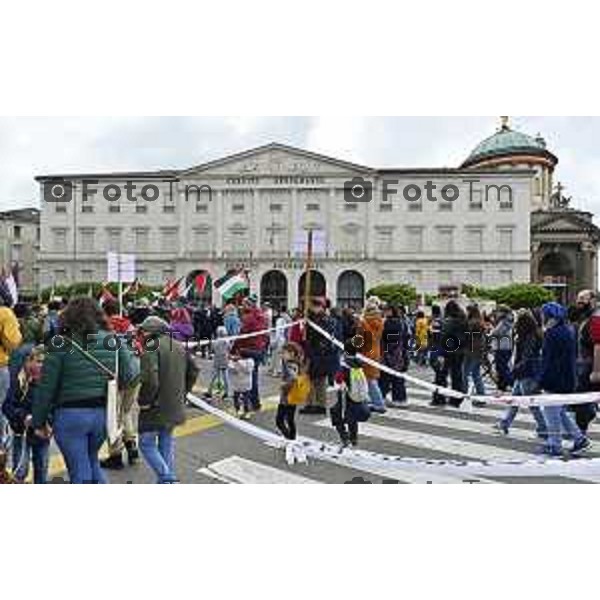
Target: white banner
[304,448]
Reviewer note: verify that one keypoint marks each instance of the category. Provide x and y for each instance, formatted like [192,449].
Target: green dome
[507,142]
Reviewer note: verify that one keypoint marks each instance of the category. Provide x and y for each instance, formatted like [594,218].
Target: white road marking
[244,471]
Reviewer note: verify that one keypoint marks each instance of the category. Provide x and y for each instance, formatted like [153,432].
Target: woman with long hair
[526,370]
[72,393]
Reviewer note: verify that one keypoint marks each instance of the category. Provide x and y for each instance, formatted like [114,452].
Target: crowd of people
[56,362]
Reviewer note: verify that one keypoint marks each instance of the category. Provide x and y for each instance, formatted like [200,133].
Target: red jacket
[253,320]
[120,324]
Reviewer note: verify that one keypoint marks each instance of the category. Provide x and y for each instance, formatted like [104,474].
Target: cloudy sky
[45,145]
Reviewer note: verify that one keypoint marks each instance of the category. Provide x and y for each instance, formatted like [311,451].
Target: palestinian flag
[201,282]
[231,285]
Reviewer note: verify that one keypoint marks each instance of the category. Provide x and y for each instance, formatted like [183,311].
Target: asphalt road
[210,452]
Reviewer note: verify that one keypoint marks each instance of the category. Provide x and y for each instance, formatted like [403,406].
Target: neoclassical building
[252,211]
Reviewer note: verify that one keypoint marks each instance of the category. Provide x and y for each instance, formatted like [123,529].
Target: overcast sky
[45,145]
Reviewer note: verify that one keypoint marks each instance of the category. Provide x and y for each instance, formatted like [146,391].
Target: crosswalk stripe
[472,450]
[437,420]
[244,471]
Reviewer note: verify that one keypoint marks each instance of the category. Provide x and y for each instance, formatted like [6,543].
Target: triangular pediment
[563,222]
[276,160]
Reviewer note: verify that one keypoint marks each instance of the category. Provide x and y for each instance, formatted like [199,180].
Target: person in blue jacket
[558,375]
[25,370]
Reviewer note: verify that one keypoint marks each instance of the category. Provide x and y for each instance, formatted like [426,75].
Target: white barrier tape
[521,401]
[363,460]
[243,336]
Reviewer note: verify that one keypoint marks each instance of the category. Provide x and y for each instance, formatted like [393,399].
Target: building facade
[20,246]
[252,211]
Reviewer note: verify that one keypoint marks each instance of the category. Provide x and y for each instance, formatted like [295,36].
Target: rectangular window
[313,208]
[445,240]
[415,206]
[505,240]
[141,209]
[87,275]
[114,240]
[141,237]
[445,206]
[506,276]
[60,208]
[202,208]
[169,209]
[59,240]
[350,207]
[474,240]
[386,207]
[114,208]
[276,208]
[169,240]
[86,237]
[475,277]
[17,229]
[385,241]
[87,209]
[238,208]
[60,276]
[15,253]
[414,239]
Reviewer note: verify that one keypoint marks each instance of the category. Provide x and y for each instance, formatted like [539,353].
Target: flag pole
[307,277]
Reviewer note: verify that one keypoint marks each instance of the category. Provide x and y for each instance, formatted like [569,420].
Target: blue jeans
[80,433]
[559,420]
[26,449]
[4,386]
[526,387]
[158,450]
[472,368]
[375,396]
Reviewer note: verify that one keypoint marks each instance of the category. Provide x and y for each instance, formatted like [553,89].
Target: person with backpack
[10,340]
[73,393]
[25,371]
[168,374]
[295,388]
[352,405]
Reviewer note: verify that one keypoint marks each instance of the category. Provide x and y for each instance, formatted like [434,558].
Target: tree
[515,296]
[396,294]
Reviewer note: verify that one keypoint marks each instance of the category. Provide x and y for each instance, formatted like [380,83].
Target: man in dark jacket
[454,345]
[168,374]
[558,376]
[394,351]
[323,358]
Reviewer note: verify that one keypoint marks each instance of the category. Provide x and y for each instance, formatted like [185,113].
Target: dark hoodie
[19,402]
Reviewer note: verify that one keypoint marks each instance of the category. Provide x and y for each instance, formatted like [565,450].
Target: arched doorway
[318,286]
[351,290]
[201,286]
[274,290]
[557,273]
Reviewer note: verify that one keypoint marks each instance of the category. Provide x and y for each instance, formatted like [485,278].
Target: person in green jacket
[72,394]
